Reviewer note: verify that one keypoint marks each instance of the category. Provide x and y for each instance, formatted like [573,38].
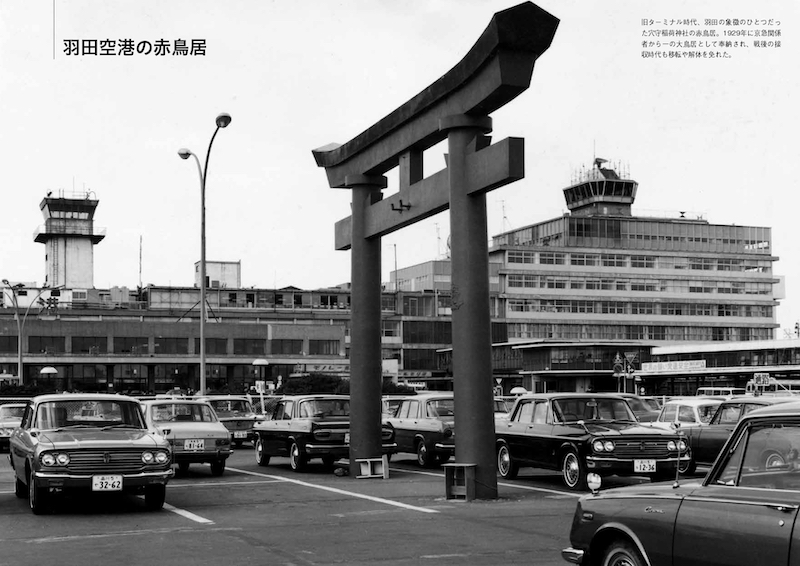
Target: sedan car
[643,410]
[688,412]
[303,427]
[424,425]
[90,442]
[237,414]
[578,433]
[706,441]
[742,513]
[194,431]
[10,418]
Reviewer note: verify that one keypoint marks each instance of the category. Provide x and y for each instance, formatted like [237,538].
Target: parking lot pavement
[271,515]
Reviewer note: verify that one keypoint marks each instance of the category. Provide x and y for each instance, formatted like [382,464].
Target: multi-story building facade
[568,297]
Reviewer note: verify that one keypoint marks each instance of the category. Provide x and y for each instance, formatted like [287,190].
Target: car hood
[623,428]
[93,437]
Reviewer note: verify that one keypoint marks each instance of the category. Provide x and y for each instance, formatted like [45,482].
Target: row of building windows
[97,345]
[529,330]
[530,281]
[638,261]
[637,307]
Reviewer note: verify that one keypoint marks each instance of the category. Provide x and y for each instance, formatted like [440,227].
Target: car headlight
[448,432]
[147,457]
[161,457]
[682,445]
[597,446]
[58,459]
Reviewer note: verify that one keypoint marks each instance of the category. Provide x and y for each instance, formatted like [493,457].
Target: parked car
[644,411]
[501,408]
[689,412]
[93,442]
[303,427]
[10,418]
[742,513]
[424,425]
[578,433]
[194,431]
[706,441]
[237,414]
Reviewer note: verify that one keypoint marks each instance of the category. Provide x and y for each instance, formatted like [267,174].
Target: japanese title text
[131,47]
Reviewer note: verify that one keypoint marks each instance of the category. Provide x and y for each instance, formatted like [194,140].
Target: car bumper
[199,457]
[572,555]
[626,465]
[442,448]
[78,481]
[342,450]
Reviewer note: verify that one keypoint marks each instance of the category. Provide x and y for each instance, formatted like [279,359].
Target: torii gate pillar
[472,340]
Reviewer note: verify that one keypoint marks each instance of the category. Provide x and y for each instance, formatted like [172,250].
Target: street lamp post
[222,122]
[21,320]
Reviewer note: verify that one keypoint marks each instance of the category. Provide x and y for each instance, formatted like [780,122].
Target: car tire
[621,553]
[261,458]
[424,456]
[297,459]
[773,459]
[217,467]
[20,489]
[687,468]
[154,496]
[573,471]
[183,467]
[506,466]
[37,496]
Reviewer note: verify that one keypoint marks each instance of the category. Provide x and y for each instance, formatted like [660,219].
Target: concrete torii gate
[457,106]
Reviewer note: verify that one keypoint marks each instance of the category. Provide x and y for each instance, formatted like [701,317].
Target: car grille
[108,462]
[641,448]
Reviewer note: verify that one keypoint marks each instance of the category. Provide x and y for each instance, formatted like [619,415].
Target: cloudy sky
[714,137]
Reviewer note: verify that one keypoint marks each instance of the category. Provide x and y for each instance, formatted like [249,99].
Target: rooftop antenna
[140,261]
[438,242]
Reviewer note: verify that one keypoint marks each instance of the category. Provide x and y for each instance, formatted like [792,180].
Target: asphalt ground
[272,516]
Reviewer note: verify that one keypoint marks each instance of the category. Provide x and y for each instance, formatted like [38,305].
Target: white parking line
[188,515]
[339,491]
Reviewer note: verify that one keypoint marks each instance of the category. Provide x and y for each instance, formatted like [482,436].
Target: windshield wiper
[120,425]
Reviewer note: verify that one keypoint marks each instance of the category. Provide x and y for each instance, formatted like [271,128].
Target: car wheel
[297,460]
[573,471]
[37,496]
[773,460]
[217,467]
[622,553]
[20,489]
[506,466]
[154,496]
[261,458]
[183,467]
[424,457]
[687,468]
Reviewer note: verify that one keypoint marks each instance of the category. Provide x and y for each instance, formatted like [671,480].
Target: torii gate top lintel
[497,68]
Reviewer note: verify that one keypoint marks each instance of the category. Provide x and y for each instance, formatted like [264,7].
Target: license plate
[347,438]
[240,434]
[194,444]
[106,483]
[644,466]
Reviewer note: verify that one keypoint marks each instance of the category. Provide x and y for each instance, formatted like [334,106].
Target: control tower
[69,236]
[600,192]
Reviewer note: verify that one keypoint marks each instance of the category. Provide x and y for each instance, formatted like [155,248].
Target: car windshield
[231,406]
[168,412]
[636,404]
[88,413]
[500,406]
[572,410]
[440,408]
[11,412]
[325,408]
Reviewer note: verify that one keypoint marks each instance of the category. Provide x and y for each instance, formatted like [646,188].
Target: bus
[773,386]
[719,391]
